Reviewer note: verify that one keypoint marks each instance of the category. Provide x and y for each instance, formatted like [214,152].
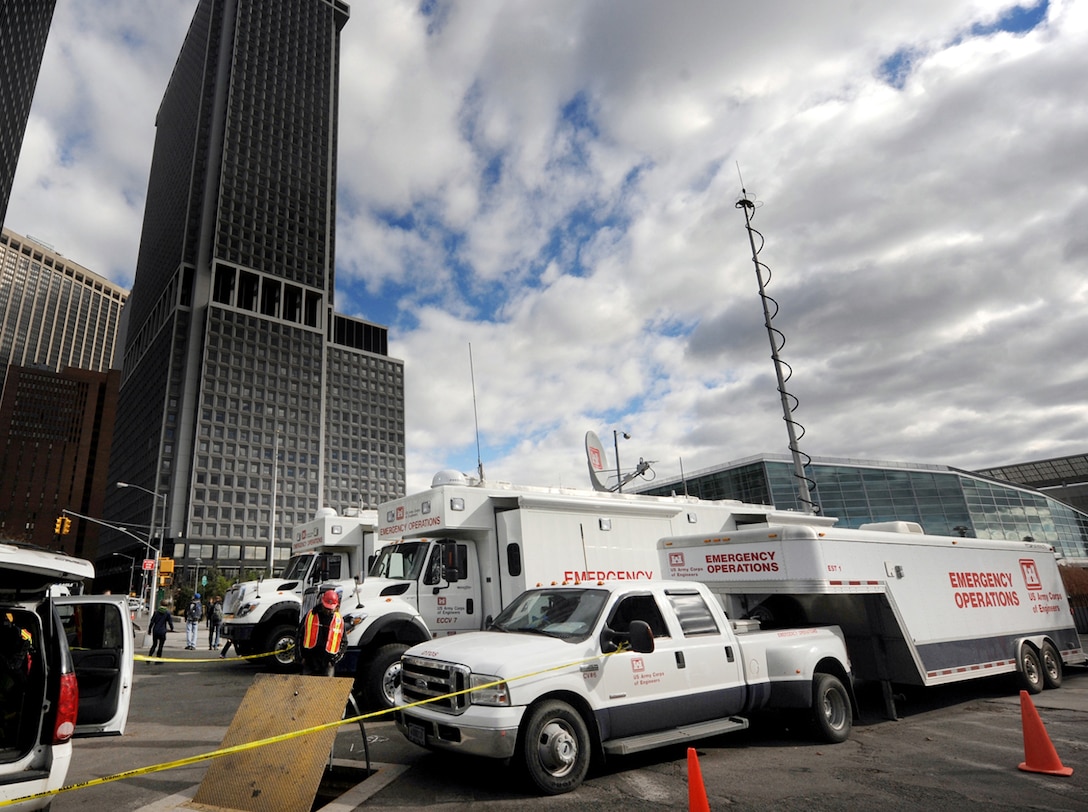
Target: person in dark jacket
[160,623]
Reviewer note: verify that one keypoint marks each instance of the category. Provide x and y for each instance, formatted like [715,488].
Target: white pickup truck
[566,673]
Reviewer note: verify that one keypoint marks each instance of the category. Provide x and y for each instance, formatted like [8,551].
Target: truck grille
[422,679]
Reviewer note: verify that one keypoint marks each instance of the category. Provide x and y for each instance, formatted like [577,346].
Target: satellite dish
[596,459]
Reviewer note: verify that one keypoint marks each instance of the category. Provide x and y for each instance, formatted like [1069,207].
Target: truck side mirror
[451,573]
[610,640]
[641,636]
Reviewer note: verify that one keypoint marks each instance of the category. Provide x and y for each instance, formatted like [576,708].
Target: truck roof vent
[325,512]
[894,527]
[448,476]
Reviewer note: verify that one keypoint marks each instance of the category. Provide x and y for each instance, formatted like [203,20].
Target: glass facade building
[944,501]
[24,29]
[246,401]
[1065,478]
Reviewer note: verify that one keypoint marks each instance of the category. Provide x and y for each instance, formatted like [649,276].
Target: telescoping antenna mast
[782,370]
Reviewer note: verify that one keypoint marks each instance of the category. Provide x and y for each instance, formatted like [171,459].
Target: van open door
[100,638]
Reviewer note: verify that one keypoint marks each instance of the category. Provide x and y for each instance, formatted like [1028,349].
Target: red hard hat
[329,599]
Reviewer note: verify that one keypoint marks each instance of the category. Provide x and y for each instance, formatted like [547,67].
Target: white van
[65,668]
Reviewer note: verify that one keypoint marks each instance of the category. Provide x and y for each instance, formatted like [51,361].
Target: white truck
[573,671]
[263,615]
[465,549]
[916,609]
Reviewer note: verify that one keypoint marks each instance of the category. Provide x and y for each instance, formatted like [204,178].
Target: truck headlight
[353,620]
[488,690]
[245,609]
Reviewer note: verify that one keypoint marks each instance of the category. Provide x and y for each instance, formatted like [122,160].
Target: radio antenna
[475,415]
[782,370]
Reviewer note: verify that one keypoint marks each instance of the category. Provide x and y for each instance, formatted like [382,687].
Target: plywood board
[282,776]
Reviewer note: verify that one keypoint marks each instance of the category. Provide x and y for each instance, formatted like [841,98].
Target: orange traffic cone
[1039,753]
[697,801]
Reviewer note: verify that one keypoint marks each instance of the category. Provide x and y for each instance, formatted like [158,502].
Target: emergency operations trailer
[915,609]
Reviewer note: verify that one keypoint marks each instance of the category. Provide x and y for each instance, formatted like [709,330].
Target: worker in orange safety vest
[321,636]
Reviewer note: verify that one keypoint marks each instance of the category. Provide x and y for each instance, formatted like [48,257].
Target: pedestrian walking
[193,614]
[226,648]
[160,622]
[215,621]
[320,639]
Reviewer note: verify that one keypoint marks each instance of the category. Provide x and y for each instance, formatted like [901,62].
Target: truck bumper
[487,732]
[238,632]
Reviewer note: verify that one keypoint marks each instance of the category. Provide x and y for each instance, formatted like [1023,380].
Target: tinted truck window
[695,616]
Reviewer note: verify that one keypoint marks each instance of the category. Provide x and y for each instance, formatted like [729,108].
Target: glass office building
[24,29]
[945,501]
[247,402]
[1064,478]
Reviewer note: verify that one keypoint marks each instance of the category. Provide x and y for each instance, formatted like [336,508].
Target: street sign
[149,564]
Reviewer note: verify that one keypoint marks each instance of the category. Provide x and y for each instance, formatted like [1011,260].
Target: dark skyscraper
[24,28]
[246,402]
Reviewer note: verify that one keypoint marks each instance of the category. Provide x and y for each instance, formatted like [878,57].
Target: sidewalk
[180,799]
[174,647]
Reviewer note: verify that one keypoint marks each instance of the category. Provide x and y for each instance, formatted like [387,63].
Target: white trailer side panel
[923,609]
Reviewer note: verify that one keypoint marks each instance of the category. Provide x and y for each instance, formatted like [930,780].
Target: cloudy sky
[553,184]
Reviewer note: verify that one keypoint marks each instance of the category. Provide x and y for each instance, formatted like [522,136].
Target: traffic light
[67,526]
[58,525]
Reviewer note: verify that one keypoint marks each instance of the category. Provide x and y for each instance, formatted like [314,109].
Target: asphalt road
[955,747]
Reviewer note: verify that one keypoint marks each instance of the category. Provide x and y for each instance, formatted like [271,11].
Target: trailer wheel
[382,676]
[281,642]
[1052,666]
[831,709]
[1031,670]
[555,747]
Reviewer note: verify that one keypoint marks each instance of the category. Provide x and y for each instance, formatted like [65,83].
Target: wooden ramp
[283,776]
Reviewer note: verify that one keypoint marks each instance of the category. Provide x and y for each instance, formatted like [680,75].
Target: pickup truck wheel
[1052,666]
[281,641]
[1031,670]
[383,676]
[831,708]
[555,747]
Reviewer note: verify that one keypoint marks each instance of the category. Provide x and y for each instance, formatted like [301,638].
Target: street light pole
[131,570]
[152,598]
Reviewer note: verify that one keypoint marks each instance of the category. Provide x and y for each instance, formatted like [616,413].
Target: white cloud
[927,242]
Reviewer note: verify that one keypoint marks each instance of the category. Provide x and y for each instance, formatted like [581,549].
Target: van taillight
[67,708]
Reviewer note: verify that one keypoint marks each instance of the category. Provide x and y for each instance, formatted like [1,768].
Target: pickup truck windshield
[401,562]
[565,613]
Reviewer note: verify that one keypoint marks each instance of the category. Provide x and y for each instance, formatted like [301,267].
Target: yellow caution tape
[282,737]
[145,658]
